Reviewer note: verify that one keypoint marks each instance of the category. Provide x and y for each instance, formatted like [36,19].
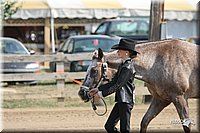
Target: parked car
[10,46]
[83,44]
[136,29]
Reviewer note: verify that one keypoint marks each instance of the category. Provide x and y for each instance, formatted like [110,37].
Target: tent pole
[52,33]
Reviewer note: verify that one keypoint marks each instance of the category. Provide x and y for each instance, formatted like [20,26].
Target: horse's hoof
[186,129]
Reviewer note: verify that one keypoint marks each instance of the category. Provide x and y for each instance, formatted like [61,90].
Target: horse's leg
[182,108]
[154,109]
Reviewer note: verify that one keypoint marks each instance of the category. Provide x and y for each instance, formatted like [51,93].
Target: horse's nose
[83,93]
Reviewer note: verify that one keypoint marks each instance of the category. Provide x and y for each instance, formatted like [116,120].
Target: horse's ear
[100,53]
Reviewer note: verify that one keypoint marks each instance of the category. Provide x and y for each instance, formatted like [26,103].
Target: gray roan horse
[169,68]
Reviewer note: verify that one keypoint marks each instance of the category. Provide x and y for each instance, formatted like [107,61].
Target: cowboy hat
[125,44]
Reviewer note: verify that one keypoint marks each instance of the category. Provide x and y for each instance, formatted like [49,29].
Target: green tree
[8,8]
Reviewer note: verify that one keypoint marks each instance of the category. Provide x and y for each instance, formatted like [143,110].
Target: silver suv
[136,29]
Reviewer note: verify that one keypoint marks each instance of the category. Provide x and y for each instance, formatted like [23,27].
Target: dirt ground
[80,119]
[84,119]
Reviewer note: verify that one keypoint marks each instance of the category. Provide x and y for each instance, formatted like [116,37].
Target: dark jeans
[122,112]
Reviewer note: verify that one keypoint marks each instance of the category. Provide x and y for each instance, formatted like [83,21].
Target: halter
[104,68]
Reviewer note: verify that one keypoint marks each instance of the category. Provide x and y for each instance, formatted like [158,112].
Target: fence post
[60,81]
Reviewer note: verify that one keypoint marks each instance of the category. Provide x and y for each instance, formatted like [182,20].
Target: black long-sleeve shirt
[122,83]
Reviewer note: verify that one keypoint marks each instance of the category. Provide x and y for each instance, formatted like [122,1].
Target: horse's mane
[111,56]
[112,59]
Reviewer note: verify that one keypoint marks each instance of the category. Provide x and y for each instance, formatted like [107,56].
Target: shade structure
[180,5]
[180,10]
[31,9]
[33,4]
[174,9]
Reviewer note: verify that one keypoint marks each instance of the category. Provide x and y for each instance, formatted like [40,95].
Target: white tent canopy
[174,9]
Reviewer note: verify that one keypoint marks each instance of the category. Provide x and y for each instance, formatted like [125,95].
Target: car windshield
[89,45]
[11,47]
[129,28]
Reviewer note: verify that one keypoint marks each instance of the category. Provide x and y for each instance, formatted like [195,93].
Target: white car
[10,46]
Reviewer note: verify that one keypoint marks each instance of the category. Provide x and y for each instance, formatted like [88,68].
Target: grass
[138,83]
[71,100]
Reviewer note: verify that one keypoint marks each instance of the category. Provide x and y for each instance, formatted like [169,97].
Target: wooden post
[198,20]
[47,42]
[60,81]
[156,17]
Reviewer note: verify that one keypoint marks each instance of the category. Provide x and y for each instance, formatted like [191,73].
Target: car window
[129,28]
[70,46]
[12,47]
[143,28]
[66,46]
[102,28]
[89,45]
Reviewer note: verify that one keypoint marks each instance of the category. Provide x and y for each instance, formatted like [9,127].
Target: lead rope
[95,108]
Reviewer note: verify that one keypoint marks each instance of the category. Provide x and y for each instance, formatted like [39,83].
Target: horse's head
[97,73]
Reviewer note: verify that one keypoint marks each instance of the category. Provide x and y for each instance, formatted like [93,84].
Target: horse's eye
[94,72]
